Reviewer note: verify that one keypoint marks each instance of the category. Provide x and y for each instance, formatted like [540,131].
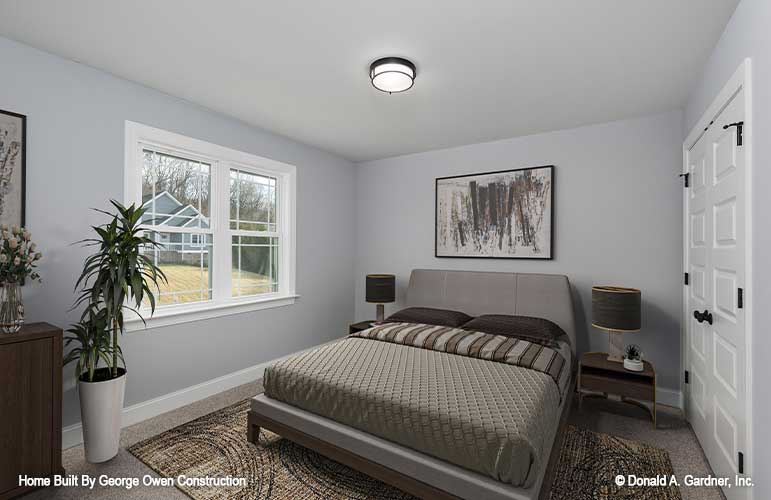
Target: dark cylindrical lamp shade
[616,308]
[381,288]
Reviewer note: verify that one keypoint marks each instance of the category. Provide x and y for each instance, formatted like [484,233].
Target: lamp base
[615,346]
[380,313]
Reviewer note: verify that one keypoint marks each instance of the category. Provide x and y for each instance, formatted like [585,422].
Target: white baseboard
[72,435]
[669,397]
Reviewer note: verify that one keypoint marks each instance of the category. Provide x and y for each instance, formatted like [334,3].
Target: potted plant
[18,260]
[115,278]
[633,358]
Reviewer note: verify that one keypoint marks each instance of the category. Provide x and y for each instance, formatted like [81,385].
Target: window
[176,192]
[254,236]
[224,220]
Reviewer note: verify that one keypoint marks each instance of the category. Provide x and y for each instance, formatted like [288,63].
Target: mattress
[486,416]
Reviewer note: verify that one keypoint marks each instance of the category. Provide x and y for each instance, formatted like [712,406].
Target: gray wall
[75,161]
[748,34]
[617,220]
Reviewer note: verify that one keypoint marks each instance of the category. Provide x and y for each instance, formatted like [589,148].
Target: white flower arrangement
[18,255]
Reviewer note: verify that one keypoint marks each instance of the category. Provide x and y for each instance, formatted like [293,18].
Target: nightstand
[598,375]
[361,325]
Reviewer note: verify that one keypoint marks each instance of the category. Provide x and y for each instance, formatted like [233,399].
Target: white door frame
[741,79]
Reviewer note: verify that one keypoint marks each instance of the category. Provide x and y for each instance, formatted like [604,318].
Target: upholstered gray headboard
[475,293]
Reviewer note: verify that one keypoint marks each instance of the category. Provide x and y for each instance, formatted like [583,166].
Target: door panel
[725,432]
[698,395]
[698,172]
[715,254]
[698,229]
[725,287]
[697,282]
[725,154]
[724,365]
[699,342]
[725,223]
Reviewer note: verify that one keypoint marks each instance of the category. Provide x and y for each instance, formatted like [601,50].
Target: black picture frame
[477,174]
[23,197]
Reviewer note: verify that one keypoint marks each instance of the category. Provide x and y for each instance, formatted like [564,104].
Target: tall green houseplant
[118,276]
[115,278]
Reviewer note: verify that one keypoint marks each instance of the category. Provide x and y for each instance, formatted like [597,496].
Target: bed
[434,424]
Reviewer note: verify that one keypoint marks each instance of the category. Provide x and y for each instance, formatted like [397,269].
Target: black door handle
[701,317]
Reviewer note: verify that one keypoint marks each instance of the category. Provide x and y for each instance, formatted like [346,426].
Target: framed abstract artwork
[13,161]
[503,215]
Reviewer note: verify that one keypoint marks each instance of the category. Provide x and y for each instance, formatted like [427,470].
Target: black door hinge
[739,129]
[685,278]
[685,177]
[740,298]
[741,463]
[686,377]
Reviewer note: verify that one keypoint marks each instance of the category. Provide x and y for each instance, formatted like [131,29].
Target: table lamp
[617,310]
[381,289]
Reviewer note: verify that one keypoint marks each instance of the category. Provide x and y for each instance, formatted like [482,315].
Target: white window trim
[225,158]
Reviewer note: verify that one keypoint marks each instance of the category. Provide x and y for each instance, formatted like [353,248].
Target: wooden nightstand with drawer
[599,377]
[360,326]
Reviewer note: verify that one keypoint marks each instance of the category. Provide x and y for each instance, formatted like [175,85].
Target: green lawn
[183,278]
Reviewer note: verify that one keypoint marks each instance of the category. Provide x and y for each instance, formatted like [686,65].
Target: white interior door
[716,265]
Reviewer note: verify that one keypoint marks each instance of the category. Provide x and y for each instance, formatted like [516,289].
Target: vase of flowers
[18,261]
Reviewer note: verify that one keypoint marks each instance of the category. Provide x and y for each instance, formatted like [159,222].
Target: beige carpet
[673,435]
[215,446]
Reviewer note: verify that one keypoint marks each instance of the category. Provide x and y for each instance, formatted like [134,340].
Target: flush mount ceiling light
[392,74]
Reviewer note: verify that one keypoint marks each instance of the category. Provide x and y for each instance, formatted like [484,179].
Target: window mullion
[221,244]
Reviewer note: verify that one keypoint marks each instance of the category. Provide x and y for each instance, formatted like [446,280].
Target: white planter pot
[633,365]
[101,408]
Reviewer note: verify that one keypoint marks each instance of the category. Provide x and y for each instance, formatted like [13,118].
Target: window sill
[177,315]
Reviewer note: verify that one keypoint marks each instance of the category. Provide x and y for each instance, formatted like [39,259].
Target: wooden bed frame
[389,476]
[541,295]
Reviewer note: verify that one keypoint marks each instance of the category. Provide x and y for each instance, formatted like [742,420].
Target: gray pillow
[537,330]
[429,316]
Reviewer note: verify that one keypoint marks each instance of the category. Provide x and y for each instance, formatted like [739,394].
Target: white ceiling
[487,69]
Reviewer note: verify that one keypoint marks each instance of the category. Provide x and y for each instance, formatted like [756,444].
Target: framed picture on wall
[503,215]
[13,161]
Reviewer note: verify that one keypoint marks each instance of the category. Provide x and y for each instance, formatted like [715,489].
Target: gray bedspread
[486,416]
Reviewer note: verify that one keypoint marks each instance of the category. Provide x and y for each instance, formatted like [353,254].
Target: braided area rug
[589,463]
[215,445]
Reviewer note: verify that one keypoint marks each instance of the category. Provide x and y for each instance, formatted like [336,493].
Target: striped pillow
[536,330]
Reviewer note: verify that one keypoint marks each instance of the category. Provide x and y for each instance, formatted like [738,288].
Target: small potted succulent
[18,261]
[633,358]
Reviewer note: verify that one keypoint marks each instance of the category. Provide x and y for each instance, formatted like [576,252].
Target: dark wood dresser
[30,405]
